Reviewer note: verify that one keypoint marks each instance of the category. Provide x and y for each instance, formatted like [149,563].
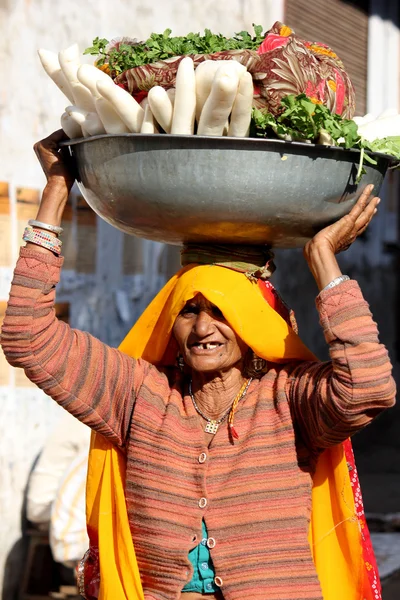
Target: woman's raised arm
[331,401]
[95,383]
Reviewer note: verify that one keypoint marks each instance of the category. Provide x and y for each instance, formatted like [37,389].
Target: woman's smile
[205,347]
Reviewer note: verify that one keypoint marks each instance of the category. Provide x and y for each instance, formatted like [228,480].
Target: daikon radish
[380,128]
[125,105]
[111,120]
[161,107]
[149,123]
[219,103]
[185,99]
[363,120]
[241,112]
[79,116]
[70,63]
[205,74]
[88,75]
[90,122]
[52,67]
[70,126]
[93,124]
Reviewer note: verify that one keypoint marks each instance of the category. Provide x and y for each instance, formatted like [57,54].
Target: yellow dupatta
[334,529]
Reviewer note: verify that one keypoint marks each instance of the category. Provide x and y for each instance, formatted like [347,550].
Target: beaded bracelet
[53,228]
[42,238]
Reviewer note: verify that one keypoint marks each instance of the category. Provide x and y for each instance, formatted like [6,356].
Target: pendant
[211,427]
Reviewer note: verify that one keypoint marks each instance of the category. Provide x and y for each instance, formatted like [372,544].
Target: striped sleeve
[95,383]
[331,401]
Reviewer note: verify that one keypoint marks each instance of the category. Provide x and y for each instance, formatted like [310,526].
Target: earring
[258,363]
[180,362]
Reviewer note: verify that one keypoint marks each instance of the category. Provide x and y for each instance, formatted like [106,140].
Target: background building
[109,278]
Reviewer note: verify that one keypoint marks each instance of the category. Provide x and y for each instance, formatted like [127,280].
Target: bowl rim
[280,144]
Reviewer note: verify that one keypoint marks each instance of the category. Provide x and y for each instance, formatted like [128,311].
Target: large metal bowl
[179,189]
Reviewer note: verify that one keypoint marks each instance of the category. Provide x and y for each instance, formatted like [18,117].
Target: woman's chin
[206,364]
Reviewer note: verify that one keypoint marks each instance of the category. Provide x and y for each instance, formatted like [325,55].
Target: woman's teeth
[208,346]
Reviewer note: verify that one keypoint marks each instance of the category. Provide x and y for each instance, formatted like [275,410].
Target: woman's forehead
[199,299]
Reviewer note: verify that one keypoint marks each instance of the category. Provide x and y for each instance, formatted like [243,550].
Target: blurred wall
[108,278]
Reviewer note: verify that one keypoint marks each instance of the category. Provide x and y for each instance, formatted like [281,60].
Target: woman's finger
[368,213]
[361,203]
[362,227]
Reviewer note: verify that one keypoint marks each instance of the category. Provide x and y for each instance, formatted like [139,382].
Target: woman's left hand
[320,251]
[340,235]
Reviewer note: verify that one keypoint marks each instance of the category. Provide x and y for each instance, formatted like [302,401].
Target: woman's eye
[217,313]
[189,310]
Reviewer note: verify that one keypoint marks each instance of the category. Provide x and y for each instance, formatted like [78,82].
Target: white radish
[219,103]
[241,111]
[185,99]
[79,116]
[89,75]
[52,67]
[83,98]
[70,63]
[70,126]
[90,122]
[93,124]
[205,74]
[125,105]
[111,120]
[149,123]
[364,120]
[380,128]
[161,107]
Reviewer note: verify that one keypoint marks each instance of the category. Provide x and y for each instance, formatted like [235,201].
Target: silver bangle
[336,282]
[46,226]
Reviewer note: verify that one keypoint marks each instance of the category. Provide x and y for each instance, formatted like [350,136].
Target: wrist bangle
[335,282]
[53,228]
[43,239]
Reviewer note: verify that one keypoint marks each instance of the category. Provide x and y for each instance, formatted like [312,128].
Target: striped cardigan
[254,494]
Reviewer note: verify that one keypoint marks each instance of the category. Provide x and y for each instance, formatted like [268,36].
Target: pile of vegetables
[214,99]
[122,55]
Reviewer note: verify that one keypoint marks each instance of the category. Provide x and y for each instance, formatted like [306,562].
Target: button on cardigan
[258,489]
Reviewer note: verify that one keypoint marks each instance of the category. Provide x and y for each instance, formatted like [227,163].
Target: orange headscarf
[335,537]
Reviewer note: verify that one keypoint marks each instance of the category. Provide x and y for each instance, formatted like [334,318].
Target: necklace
[213,424]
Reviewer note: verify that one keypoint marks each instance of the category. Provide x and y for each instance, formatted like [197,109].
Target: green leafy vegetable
[303,120]
[160,46]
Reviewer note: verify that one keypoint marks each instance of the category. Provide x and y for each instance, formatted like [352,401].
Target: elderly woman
[229,428]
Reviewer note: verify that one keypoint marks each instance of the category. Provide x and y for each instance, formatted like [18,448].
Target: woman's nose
[202,324]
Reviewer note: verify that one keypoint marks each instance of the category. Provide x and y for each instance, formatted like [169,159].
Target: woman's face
[206,341]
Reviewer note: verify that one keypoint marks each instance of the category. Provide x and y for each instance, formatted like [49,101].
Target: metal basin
[179,189]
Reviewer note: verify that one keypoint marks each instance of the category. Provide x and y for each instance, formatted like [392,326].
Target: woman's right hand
[52,162]
[59,178]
